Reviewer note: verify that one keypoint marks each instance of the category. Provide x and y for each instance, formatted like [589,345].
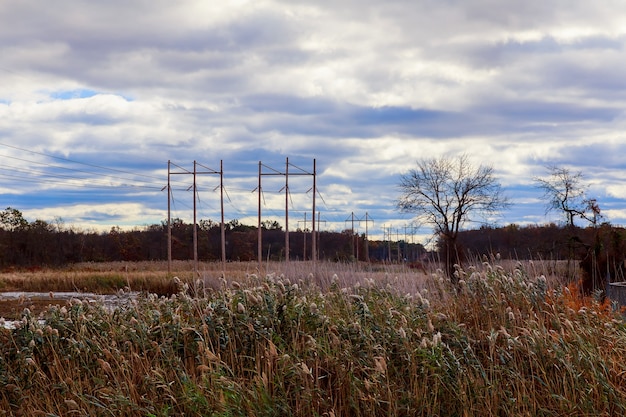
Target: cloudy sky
[96,97]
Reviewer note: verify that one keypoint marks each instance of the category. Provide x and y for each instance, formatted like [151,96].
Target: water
[13,303]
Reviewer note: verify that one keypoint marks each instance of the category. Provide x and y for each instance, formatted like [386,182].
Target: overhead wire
[78,182]
[41,173]
[69,184]
[108,181]
[77,162]
[230,202]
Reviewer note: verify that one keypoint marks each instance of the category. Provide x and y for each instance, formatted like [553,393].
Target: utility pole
[194,186]
[195,225]
[313,240]
[260,192]
[222,228]
[351,219]
[169,221]
[287,209]
[407,255]
[209,171]
[317,255]
[389,242]
[259,234]
[413,248]
[287,195]
[304,234]
[169,211]
[398,243]
[286,188]
[367,249]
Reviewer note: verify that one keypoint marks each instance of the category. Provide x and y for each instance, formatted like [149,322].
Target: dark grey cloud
[527,114]
[323,117]
[592,157]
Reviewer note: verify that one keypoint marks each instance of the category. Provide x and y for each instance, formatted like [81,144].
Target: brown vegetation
[353,342]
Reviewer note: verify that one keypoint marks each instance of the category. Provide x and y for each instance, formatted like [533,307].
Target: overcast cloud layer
[96,97]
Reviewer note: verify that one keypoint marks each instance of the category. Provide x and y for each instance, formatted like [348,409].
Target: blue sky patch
[73,94]
[82,93]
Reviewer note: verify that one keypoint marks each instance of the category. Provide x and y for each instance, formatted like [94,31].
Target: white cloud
[365,87]
[99,217]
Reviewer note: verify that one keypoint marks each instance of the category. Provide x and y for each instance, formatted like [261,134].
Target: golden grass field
[153,277]
[299,339]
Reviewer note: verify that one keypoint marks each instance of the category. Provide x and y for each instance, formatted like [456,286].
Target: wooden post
[313,237]
[195,225]
[222,231]
[287,210]
[259,233]
[169,220]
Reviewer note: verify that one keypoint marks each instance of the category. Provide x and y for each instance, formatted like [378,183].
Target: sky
[97,97]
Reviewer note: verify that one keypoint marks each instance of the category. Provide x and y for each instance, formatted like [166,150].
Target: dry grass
[152,277]
[342,341]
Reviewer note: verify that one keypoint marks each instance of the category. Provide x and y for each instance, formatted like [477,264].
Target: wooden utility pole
[287,173]
[209,171]
[351,218]
[169,221]
[259,224]
[304,240]
[367,249]
[389,243]
[194,186]
[259,233]
[313,240]
[169,211]
[222,227]
[287,210]
[195,224]
[398,243]
[286,189]
[317,247]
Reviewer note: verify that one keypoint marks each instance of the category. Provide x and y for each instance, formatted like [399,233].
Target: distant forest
[39,243]
[26,244]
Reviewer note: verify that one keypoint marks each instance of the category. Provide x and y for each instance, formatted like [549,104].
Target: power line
[45,174]
[85,181]
[91,186]
[78,162]
[60,178]
[38,173]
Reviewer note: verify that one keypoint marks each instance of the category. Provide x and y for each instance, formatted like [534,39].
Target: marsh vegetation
[346,341]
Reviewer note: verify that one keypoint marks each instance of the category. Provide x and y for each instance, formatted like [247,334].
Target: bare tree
[566,191]
[446,193]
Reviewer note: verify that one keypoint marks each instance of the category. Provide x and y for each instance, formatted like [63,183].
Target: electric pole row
[207,171]
[355,237]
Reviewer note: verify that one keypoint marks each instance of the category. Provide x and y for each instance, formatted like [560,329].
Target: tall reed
[502,342]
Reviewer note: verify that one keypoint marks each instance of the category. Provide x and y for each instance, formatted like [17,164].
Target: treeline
[549,241]
[599,250]
[39,243]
